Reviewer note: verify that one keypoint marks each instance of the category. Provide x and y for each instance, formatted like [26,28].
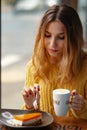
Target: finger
[78,99]
[30,92]
[74,92]
[36,93]
[76,106]
[36,89]
[77,102]
[24,93]
[36,86]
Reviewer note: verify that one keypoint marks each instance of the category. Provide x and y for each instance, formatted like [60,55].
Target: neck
[54,61]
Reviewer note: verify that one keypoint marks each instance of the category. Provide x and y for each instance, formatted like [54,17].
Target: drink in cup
[61,101]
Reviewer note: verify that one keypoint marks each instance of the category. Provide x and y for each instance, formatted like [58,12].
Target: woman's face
[55,38]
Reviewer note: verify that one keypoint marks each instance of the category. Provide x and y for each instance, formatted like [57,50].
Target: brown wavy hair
[71,61]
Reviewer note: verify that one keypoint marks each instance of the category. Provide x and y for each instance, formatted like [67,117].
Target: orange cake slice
[28,119]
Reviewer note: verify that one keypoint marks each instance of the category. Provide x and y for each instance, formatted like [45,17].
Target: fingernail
[74,93]
[30,93]
[38,89]
[70,102]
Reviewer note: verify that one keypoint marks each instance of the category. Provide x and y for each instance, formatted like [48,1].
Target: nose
[52,42]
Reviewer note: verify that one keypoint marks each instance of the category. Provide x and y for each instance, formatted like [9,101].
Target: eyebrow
[57,34]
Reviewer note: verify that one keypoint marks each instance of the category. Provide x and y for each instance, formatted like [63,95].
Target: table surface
[69,123]
[60,123]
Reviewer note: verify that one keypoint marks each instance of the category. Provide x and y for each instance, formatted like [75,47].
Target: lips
[53,50]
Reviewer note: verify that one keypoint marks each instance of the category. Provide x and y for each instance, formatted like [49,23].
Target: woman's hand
[31,96]
[77,100]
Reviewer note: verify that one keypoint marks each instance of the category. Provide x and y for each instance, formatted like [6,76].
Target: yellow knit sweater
[46,103]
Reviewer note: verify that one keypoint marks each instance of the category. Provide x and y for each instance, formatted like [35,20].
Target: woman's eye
[46,35]
[61,38]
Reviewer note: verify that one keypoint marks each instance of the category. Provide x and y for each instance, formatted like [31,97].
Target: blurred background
[19,23]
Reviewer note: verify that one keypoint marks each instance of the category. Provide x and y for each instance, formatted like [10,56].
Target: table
[69,123]
[60,123]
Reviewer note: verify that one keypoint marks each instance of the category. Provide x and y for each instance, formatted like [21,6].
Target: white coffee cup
[61,101]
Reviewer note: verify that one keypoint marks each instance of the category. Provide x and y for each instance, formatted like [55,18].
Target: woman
[58,61]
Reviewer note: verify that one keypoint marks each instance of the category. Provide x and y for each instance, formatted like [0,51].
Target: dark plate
[47,118]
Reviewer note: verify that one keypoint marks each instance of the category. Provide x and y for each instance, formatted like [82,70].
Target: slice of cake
[27,119]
